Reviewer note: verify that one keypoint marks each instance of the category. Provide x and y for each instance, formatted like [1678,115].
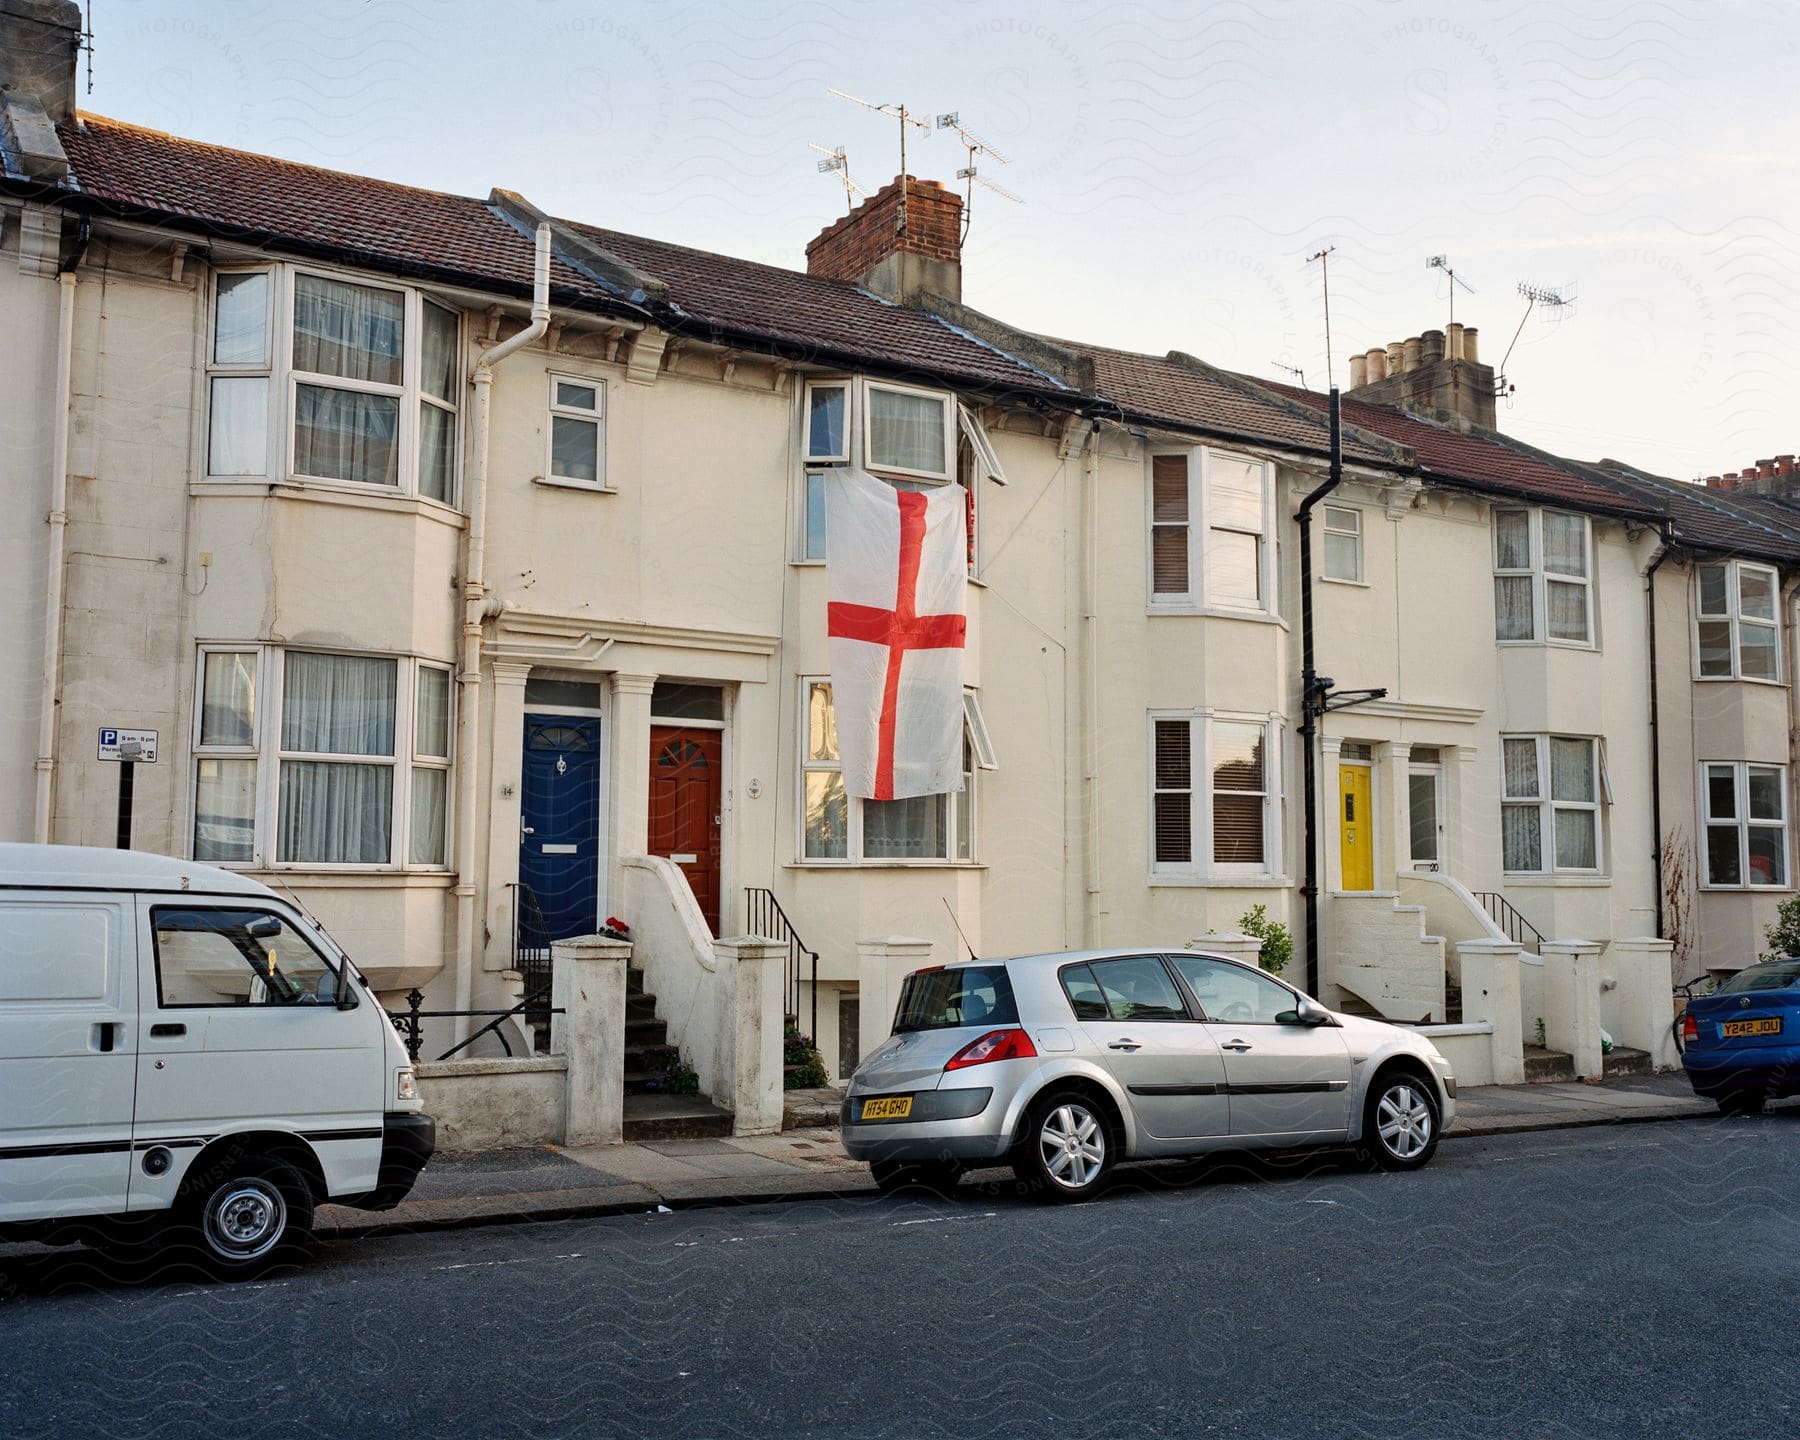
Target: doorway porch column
[630,766]
[505,783]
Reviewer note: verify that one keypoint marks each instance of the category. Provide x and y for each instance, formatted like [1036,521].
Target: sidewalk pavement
[807,1161]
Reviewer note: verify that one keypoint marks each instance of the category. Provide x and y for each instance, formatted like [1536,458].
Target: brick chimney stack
[39,43]
[1437,375]
[871,247]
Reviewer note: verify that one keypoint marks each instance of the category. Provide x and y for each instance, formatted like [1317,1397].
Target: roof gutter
[475,607]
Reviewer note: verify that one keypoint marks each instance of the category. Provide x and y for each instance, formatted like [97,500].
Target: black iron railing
[767,918]
[1518,929]
[410,1021]
[531,949]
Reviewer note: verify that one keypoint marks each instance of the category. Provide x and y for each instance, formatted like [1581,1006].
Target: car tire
[1401,1121]
[251,1215]
[1743,1102]
[1066,1147]
[937,1176]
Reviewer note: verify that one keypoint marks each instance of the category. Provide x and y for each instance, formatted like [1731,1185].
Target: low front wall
[1468,1048]
[492,1104]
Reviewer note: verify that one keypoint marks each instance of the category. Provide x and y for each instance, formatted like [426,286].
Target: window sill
[1218,882]
[1215,612]
[1587,645]
[1338,580]
[808,564]
[1746,889]
[326,493]
[310,877]
[557,482]
[1559,882]
[856,866]
[1739,680]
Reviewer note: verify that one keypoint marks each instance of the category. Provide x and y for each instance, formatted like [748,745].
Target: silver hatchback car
[1062,1064]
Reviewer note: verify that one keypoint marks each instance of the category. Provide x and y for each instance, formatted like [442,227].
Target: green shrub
[1783,937]
[803,1067]
[1277,944]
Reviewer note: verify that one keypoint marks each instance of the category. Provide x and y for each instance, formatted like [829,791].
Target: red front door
[684,807]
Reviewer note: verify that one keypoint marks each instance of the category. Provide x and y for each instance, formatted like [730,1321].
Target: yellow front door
[1356,827]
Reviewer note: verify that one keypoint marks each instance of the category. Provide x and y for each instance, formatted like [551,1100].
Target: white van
[186,1055]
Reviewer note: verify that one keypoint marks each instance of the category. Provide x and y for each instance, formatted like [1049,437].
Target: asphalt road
[1633,1281]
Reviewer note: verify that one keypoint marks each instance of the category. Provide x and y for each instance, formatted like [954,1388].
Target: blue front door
[559,844]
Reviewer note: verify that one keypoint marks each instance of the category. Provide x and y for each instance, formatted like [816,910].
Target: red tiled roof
[1191,394]
[1728,524]
[1480,460]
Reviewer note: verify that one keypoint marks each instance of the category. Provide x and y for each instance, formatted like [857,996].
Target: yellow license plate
[888,1107]
[1730,1029]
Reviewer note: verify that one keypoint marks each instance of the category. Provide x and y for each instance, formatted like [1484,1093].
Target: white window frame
[1741,823]
[284,380]
[866,387]
[1196,599]
[954,802]
[1547,806]
[1353,529]
[1733,616]
[964,439]
[595,417]
[1200,865]
[1541,578]
[1435,864]
[269,756]
[263,370]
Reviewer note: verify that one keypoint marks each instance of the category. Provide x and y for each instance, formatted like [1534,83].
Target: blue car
[1741,1044]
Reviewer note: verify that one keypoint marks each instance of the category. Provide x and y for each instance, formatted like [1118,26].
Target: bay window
[1552,787]
[1214,795]
[837,826]
[1210,535]
[1542,577]
[1744,811]
[346,765]
[1735,628]
[363,389]
[912,438]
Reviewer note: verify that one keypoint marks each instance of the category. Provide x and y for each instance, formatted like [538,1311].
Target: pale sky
[1178,163]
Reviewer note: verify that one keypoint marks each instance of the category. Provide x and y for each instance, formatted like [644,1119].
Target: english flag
[896,574]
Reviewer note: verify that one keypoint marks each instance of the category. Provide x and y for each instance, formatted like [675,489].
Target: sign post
[127,749]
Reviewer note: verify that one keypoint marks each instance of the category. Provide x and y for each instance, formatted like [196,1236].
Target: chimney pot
[1453,334]
[1359,371]
[1413,348]
[1468,344]
[1377,359]
[1396,358]
[1431,346]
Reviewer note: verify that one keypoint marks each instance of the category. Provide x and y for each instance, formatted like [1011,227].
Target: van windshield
[956,995]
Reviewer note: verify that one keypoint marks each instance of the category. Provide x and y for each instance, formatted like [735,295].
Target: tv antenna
[1293,370]
[837,160]
[896,112]
[974,145]
[959,930]
[1324,259]
[1442,262]
[1553,297]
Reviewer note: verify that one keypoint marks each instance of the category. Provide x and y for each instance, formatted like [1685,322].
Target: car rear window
[955,996]
[1781,975]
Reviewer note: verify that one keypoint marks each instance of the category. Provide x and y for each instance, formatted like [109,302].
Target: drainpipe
[59,536]
[1656,847]
[1089,682]
[475,609]
[1312,700]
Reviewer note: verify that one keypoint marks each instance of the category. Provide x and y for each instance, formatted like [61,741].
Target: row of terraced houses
[473,627]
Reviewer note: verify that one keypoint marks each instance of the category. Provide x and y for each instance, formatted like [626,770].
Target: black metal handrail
[1518,929]
[411,1031]
[531,956]
[766,917]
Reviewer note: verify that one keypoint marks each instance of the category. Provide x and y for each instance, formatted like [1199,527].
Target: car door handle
[1123,1045]
[167,1032]
[1238,1045]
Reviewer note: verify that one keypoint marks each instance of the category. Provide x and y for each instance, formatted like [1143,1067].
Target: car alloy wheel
[1402,1123]
[1069,1150]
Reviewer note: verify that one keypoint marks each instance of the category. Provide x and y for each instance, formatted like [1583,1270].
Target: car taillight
[995,1045]
[1690,1029]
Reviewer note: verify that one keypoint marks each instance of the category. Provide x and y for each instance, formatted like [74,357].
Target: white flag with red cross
[897,576]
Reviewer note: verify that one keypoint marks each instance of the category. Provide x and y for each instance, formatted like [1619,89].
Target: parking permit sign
[128,745]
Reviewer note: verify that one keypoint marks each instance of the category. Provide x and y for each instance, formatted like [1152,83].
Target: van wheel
[258,1214]
[1066,1148]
